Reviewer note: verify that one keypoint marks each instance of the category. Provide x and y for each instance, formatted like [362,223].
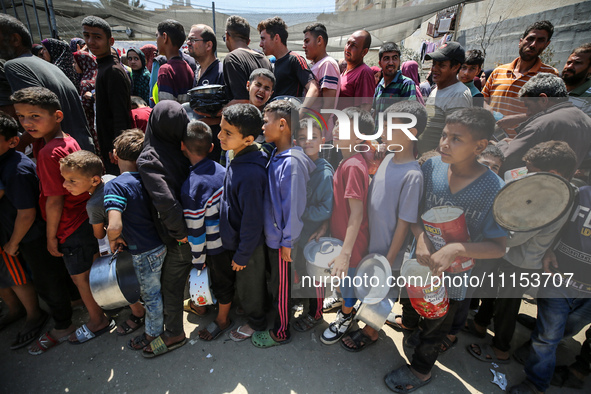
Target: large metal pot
[209,99]
[113,281]
[319,254]
[375,315]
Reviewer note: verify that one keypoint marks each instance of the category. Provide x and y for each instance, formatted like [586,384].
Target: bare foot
[92,326]
[398,321]
[367,330]
[33,321]
[58,334]
[130,323]
[245,329]
[499,354]
[275,338]
[206,335]
[167,341]
[421,376]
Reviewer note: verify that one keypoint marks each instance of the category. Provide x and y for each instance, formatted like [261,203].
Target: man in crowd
[506,80]
[357,81]
[575,75]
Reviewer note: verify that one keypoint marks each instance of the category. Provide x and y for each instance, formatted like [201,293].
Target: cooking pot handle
[114,256]
[326,247]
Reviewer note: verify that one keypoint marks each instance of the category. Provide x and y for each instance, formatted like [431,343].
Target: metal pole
[37,19]
[53,21]
[14,9]
[27,17]
[213,16]
[47,15]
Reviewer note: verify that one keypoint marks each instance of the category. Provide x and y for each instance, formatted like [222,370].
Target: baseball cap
[448,51]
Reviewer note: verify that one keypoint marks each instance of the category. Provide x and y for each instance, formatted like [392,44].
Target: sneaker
[336,329]
[331,303]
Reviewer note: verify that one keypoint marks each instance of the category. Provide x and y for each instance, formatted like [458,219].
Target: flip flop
[446,345]
[264,340]
[232,335]
[470,328]
[360,340]
[26,338]
[139,342]
[486,350]
[127,329]
[398,379]
[398,327]
[83,333]
[159,347]
[187,308]
[46,342]
[215,331]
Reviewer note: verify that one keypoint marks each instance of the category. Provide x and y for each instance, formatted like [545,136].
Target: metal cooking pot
[113,282]
[375,315]
[319,254]
[208,99]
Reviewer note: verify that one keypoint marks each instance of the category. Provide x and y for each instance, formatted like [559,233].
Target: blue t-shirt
[476,199]
[127,195]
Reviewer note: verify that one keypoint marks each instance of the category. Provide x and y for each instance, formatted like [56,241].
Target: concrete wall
[572,27]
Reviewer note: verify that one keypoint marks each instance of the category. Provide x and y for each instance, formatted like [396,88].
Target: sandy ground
[223,366]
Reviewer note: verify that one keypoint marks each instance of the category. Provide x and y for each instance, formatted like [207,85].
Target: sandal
[305,323]
[360,340]
[398,327]
[127,329]
[263,339]
[214,330]
[446,344]
[487,354]
[46,342]
[139,342]
[237,331]
[470,328]
[188,307]
[83,333]
[398,379]
[26,338]
[159,347]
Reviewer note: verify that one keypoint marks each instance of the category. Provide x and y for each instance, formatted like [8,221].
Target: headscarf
[149,51]
[74,42]
[410,69]
[141,77]
[117,59]
[162,165]
[487,75]
[89,69]
[61,56]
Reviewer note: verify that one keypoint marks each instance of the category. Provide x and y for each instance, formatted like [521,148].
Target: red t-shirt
[358,83]
[351,180]
[51,184]
[139,118]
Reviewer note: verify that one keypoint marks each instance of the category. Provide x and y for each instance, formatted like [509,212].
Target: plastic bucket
[429,300]
[200,287]
[445,225]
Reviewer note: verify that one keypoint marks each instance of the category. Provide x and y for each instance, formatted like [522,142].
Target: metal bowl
[375,315]
[373,272]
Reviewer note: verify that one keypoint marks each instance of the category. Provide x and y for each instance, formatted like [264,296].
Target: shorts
[79,249]
[12,272]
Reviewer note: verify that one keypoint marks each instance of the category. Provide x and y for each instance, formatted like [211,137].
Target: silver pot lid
[322,252]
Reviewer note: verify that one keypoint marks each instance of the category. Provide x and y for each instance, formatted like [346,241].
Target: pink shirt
[326,72]
[358,83]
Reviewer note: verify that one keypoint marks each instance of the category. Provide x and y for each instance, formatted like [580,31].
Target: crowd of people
[121,152]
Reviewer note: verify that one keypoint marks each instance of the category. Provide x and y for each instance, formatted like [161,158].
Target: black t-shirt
[238,66]
[21,188]
[29,71]
[292,75]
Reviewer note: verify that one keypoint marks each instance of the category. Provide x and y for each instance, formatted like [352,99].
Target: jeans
[562,312]
[148,267]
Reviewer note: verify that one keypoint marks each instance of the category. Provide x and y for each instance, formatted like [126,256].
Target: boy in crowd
[69,235]
[449,94]
[140,113]
[22,235]
[393,204]
[492,157]
[260,86]
[85,172]
[524,257]
[349,221]
[465,135]
[130,225]
[200,197]
[471,68]
[113,89]
[288,172]
[241,229]
[319,201]
[175,78]
[563,309]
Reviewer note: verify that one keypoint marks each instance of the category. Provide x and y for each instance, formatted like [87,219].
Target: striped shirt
[502,88]
[200,196]
[400,86]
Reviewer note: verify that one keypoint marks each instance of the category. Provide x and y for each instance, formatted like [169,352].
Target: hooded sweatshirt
[285,198]
[164,168]
[241,207]
[318,199]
